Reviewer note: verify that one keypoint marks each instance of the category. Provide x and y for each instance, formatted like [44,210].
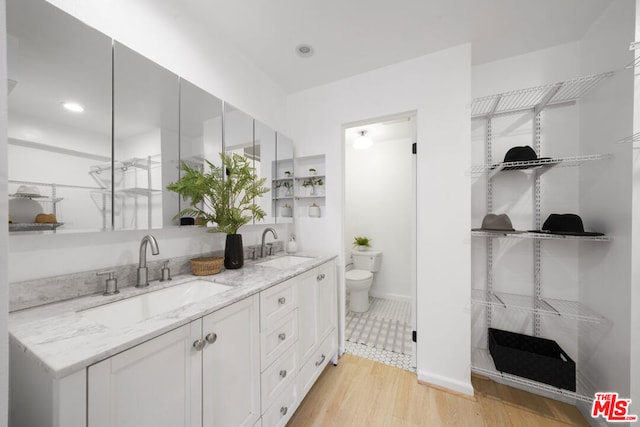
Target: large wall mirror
[200,131]
[145,143]
[59,128]
[97,131]
[264,163]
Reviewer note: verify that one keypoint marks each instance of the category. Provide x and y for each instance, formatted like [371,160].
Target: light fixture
[73,106]
[362,142]
[304,50]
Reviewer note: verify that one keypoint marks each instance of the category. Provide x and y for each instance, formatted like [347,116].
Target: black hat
[566,224]
[520,154]
[500,223]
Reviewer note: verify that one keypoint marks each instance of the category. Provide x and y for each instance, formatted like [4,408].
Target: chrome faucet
[264,235]
[143,271]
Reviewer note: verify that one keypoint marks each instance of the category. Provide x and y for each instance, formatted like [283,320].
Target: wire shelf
[537,235]
[632,139]
[139,191]
[543,164]
[546,306]
[36,226]
[535,97]
[482,363]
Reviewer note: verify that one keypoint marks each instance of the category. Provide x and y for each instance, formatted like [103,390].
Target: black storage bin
[537,359]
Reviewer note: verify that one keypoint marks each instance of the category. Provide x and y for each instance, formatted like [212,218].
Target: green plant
[361,241]
[229,200]
[312,182]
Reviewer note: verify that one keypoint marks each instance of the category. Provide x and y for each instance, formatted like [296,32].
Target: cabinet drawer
[282,408]
[277,301]
[277,376]
[277,338]
[314,366]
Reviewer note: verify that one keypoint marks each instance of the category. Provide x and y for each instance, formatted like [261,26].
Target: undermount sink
[141,307]
[285,261]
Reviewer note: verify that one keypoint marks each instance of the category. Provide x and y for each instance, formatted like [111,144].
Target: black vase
[233,252]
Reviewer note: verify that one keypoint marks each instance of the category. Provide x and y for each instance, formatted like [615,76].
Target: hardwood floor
[361,392]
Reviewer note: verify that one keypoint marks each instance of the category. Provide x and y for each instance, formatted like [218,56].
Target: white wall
[155,30]
[378,191]
[437,87]
[4,233]
[606,116]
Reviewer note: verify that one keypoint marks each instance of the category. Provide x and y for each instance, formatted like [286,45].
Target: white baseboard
[463,387]
[385,295]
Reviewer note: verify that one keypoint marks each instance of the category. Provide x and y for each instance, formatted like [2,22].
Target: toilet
[359,279]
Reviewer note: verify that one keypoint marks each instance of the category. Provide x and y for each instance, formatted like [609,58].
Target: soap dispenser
[292,246]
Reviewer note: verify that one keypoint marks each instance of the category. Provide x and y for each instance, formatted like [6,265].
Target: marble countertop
[63,341]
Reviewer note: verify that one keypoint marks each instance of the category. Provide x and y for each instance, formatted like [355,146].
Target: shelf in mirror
[140,191]
[35,226]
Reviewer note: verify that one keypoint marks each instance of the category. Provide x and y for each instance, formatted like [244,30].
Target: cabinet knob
[319,277]
[198,345]
[282,300]
[211,338]
[283,373]
[284,410]
[321,360]
[282,336]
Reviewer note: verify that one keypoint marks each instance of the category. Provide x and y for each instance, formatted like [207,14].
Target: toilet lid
[358,274]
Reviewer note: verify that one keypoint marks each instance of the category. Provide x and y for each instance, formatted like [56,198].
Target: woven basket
[206,266]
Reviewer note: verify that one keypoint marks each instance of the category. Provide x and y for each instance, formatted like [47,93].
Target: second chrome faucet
[143,271]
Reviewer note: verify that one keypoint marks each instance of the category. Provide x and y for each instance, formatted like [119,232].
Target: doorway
[380,205]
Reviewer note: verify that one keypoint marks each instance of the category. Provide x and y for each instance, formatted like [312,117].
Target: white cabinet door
[317,312]
[231,365]
[154,384]
[326,304]
[307,314]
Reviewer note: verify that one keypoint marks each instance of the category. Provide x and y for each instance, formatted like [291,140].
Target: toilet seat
[357,275]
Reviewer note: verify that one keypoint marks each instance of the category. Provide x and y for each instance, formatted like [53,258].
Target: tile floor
[372,336]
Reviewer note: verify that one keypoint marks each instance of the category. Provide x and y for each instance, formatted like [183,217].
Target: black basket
[537,359]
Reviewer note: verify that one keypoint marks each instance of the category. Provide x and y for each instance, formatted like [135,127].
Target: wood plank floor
[361,392]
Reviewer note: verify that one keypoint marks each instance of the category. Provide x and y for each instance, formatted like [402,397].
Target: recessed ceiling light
[304,50]
[73,106]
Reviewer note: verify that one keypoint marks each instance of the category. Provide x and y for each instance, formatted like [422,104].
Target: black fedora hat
[566,224]
[496,222]
[521,154]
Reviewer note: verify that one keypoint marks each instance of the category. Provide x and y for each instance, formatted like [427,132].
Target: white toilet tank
[366,260]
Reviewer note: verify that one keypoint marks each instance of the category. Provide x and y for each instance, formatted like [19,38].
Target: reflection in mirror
[283,176]
[52,59]
[200,130]
[264,162]
[145,141]
[238,133]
